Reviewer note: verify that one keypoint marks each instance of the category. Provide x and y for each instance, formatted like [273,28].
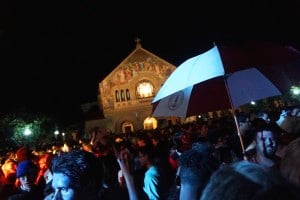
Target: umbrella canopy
[194,70]
[280,64]
[230,91]
[227,77]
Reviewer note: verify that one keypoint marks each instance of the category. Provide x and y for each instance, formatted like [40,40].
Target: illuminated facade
[125,95]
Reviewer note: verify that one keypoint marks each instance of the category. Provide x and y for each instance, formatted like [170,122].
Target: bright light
[56,132]
[145,89]
[27,132]
[253,103]
[295,90]
[65,148]
[150,123]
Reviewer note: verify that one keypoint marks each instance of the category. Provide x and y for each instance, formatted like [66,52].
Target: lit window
[145,89]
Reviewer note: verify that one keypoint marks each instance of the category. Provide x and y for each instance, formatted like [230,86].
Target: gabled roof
[139,54]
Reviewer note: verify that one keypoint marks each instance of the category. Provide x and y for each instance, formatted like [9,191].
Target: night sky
[54,53]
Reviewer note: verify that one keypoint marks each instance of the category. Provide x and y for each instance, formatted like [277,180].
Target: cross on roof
[138,42]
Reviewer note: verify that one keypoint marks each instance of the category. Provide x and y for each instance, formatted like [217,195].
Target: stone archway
[127,127]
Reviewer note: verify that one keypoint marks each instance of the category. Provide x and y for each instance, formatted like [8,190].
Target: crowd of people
[201,160]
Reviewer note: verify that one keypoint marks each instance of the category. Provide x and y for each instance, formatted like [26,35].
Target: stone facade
[125,95]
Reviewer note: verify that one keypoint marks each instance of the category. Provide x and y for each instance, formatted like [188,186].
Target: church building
[125,94]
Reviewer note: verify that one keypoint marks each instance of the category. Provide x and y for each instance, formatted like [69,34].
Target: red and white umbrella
[227,77]
[219,93]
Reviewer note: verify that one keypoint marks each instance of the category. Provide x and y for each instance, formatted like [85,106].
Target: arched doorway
[150,123]
[127,127]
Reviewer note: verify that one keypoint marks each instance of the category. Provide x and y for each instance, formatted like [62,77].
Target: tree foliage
[13,125]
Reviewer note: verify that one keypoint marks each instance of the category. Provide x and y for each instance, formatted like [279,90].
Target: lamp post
[63,134]
[27,132]
[56,133]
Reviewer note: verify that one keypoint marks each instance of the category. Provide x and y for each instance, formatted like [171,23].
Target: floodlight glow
[252,102]
[295,90]
[27,132]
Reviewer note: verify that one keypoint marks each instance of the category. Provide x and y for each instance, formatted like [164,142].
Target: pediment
[139,61]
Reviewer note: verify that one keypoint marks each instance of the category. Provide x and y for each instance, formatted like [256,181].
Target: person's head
[75,175]
[265,138]
[143,140]
[290,164]
[155,139]
[146,156]
[23,153]
[289,120]
[195,169]
[45,161]
[9,168]
[245,180]
[27,174]
[243,121]
[182,141]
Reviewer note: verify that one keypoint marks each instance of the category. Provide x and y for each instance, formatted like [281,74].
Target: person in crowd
[44,178]
[246,180]
[8,176]
[124,161]
[182,141]
[27,190]
[233,141]
[141,140]
[110,187]
[75,176]
[290,164]
[161,151]
[23,153]
[195,169]
[290,120]
[223,152]
[154,186]
[266,142]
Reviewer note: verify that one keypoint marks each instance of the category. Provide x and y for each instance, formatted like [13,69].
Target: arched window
[122,95]
[127,94]
[145,89]
[117,96]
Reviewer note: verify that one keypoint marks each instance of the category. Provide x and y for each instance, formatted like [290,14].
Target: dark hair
[196,167]
[242,117]
[248,181]
[80,166]
[147,150]
[259,125]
